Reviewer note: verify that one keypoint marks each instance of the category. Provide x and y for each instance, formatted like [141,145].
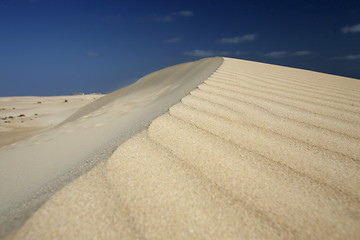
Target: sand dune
[25,116]
[255,151]
[33,169]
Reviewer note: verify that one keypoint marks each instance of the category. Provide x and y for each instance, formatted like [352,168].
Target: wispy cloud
[212,53]
[276,54]
[348,57]
[167,18]
[173,40]
[301,53]
[92,54]
[352,57]
[239,53]
[170,17]
[200,53]
[184,13]
[282,54]
[239,39]
[351,29]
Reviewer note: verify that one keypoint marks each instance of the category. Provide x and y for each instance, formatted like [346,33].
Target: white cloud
[185,13]
[352,57]
[239,39]
[351,29]
[276,54]
[167,18]
[200,53]
[172,16]
[173,40]
[92,54]
[348,57]
[281,54]
[212,53]
[301,53]
[239,53]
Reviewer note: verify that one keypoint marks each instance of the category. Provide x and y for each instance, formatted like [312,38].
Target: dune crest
[33,169]
[256,151]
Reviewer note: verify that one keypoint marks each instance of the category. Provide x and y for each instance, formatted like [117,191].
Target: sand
[22,117]
[256,151]
[33,169]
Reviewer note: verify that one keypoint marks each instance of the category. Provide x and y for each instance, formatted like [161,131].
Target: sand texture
[33,169]
[256,151]
[21,117]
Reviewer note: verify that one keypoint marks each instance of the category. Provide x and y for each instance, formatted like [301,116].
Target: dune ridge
[33,169]
[256,151]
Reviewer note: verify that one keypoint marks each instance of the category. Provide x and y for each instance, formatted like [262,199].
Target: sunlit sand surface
[253,151]
[21,117]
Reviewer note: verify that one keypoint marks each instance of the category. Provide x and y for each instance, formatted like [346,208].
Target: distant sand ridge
[256,151]
[21,117]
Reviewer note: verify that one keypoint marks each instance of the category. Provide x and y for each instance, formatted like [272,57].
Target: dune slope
[33,169]
[256,151]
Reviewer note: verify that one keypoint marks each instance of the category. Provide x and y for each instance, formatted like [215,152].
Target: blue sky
[53,47]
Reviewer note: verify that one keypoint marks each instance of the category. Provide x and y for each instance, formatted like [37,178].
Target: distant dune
[214,149]
[25,116]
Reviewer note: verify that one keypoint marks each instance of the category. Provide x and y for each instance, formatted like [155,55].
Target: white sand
[33,169]
[255,152]
[22,117]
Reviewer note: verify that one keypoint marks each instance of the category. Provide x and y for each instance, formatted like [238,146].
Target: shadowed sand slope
[256,151]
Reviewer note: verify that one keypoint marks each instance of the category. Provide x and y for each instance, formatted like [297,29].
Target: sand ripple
[255,152]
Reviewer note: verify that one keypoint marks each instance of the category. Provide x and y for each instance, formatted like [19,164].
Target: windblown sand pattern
[257,151]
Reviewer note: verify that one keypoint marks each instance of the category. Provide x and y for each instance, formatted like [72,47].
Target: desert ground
[25,116]
[219,148]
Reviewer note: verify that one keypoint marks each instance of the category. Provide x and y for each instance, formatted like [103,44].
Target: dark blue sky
[54,47]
